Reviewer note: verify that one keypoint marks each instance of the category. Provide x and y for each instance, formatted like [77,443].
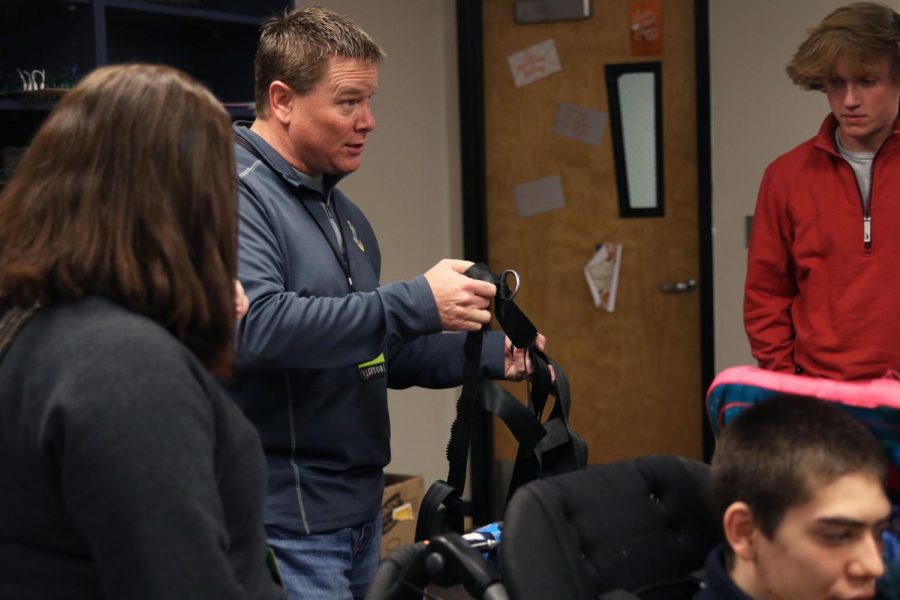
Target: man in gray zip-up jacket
[323,339]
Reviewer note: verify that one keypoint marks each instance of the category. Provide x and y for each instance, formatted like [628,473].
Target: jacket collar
[719,584]
[277,162]
[824,140]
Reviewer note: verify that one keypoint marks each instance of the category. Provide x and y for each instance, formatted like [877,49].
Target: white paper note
[602,274]
[580,123]
[534,63]
[541,195]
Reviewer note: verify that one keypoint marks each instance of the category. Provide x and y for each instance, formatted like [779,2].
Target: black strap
[441,509]
[560,449]
[432,520]
[516,416]
[518,328]
[247,146]
[460,430]
[11,323]
[545,448]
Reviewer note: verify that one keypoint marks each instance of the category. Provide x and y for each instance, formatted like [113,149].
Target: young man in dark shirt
[800,486]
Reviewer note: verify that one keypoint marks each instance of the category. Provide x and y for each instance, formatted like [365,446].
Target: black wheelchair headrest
[623,525]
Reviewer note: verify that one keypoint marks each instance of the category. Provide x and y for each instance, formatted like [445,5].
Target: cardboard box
[400,509]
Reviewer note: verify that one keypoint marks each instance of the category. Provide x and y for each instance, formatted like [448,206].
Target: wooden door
[635,373]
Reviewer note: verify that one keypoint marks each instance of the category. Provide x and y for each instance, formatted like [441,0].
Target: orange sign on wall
[646,27]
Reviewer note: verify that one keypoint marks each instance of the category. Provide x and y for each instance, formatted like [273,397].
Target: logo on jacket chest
[359,244]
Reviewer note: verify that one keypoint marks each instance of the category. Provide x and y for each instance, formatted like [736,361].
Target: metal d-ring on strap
[510,295]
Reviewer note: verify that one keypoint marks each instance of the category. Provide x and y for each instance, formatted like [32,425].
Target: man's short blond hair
[296,46]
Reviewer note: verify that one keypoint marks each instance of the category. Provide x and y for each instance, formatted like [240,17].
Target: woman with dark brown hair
[125,470]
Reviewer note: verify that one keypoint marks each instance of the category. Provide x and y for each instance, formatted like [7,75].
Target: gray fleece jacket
[125,470]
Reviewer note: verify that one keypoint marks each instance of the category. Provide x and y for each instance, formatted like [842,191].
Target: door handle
[678,287]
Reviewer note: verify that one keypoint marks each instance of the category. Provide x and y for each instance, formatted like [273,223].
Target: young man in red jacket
[822,294]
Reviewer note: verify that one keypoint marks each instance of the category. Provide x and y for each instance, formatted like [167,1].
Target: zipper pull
[867,231]
[328,210]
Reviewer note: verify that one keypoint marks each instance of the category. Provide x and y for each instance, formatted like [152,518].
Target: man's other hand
[516,364]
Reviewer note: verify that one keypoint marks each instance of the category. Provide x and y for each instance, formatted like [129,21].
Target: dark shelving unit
[212,40]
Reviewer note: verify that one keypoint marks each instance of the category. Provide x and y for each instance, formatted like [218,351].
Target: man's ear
[740,527]
[281,97]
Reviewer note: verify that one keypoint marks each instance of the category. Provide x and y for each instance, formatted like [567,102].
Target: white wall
[409,185]
[757,114]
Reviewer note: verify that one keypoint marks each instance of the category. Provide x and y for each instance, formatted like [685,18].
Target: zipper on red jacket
[866,211]
[867,229]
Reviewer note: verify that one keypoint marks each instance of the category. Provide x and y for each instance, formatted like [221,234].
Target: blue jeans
[336,565]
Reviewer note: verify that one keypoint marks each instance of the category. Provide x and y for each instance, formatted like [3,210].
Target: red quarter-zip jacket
[822,292]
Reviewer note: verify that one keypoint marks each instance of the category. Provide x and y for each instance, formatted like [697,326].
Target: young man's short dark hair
[776,453]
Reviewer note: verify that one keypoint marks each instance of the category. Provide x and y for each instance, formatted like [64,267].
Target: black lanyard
[13,320]
[341,256]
